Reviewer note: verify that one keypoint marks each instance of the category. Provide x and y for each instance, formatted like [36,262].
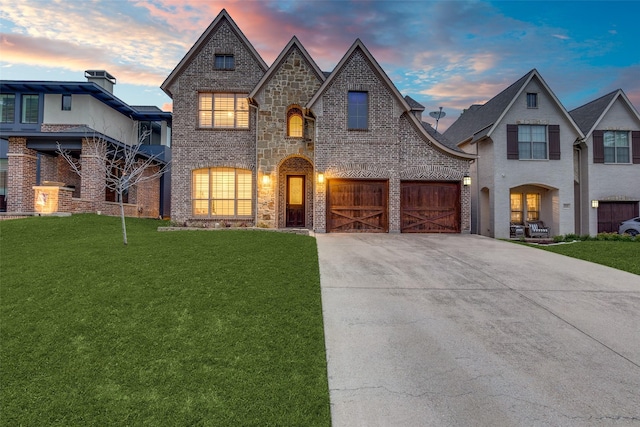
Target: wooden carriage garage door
[611,214]
[429,207]
[357,205]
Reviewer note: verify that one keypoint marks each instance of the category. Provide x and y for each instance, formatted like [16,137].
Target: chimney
[102,78]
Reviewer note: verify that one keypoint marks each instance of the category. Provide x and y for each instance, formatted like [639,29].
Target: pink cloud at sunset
[442,53]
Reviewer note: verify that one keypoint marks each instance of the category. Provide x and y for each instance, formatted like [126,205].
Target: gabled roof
[86,88]
[480,121]
[222,16]
[589,115]
[293,44]
[415,105]
[358,45]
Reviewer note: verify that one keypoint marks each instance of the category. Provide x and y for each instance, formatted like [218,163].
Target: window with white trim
[222,193]
[223,110]
[532,142]
[616,147]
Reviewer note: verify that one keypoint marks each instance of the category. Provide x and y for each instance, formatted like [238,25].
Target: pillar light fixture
[466,180]
[595,203]
[320,178]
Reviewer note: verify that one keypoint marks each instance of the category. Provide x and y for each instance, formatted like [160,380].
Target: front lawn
[178,328]
[623,255]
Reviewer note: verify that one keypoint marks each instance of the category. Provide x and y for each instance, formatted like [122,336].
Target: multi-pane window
[616,147]
[29,109]
[525,206]
[358,110]
[295,123]
[222,192]
[532,142]
[7,108]
[223,110]
[224,62]
[532,100]
[516,208]
[66,102]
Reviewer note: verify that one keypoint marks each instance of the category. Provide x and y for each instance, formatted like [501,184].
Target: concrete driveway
[462,330]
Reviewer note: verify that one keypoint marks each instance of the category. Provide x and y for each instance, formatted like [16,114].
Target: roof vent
[102,78]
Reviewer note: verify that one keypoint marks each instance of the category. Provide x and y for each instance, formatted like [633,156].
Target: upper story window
[30,108]
[224,62]
[295,124]
[7,108]
[223,110]
[66,102]
[358,110]
[616,147]
[532,100]
[532,142]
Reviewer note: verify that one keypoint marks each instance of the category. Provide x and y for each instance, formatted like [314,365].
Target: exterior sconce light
[595,204]
[266,180]
[466,180]
[320,178]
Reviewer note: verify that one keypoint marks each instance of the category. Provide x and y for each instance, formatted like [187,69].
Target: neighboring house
[288,145]
[524,141]
[37,115]
[607,163]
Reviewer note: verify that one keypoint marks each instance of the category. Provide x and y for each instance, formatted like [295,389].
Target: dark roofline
[83,88]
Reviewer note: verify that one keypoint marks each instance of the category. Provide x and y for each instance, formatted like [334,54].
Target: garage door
[429,207]
[611,214]
[356,206]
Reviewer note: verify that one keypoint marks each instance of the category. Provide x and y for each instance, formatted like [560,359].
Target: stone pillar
[21,175]
[92,187]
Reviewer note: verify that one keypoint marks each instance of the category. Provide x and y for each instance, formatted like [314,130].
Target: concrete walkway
[460,330]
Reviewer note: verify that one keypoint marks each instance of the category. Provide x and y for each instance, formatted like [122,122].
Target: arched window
[295,125]
[222,192]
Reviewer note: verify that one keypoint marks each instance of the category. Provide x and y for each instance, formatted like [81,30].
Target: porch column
[21,175]
[92,187]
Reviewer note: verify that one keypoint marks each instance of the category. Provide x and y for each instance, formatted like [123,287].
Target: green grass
[177,328]
[623,255]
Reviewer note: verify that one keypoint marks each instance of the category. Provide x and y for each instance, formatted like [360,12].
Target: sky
[447,53]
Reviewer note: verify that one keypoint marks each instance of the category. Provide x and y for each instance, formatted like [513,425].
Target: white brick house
[291,146]
[524,140]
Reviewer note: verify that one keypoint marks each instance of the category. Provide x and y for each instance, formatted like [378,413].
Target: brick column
[93,179]
[21,175]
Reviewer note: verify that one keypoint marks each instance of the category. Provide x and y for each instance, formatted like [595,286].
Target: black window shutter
[512,142]
[635,146]
[554,142]
[598,146]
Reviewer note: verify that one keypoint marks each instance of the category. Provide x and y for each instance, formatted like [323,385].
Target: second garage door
[357,205]
[429,207]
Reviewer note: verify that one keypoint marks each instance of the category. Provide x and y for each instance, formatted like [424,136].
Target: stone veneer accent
[292,84]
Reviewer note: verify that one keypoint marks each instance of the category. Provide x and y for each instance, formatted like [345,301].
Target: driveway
[463,330]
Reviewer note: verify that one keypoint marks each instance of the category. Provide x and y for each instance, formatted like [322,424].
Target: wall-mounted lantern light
[466,180]
[595,204]
[320,178]
[266,180]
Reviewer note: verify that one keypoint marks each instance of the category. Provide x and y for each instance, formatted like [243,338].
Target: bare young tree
[123,166]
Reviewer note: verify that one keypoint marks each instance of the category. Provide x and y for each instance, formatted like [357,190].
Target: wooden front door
[295,201]
[429,207]
[611,214]
[356,206]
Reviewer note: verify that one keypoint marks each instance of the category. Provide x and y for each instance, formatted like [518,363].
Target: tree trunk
[124,226]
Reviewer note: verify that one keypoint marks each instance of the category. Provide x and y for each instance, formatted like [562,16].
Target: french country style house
[607,163]
[539,166]
[291,146]
[38,117]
